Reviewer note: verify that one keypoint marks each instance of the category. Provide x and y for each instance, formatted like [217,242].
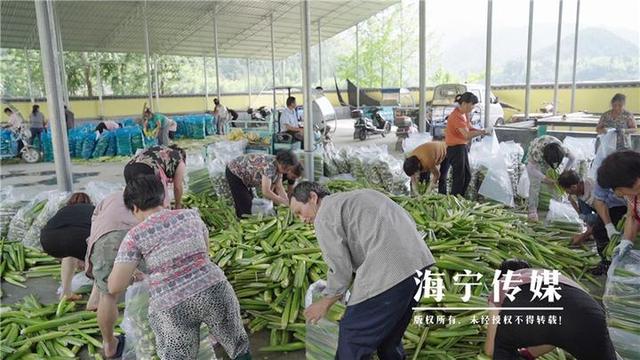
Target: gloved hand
[622,248]
[611,230]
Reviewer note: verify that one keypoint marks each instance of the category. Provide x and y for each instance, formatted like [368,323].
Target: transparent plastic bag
[98,190]
[140,340]
[582,148]
[10,204]
[217,169]
[262,207]
[80,284]
[482,152]
[623,312]
[55,201]
[608,143]
[414,140]
[562,213]
[497,186]
[226,150]
[25,216]
[321,339]
[523,185]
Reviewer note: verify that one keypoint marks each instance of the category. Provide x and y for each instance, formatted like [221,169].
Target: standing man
[289,121]
[423,163]
[69,118]
[376,260]
[109,224]
[37,123]
[222,115]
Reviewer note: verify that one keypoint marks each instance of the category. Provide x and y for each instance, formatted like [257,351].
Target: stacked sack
[124,144]
[46,146]
[8,144]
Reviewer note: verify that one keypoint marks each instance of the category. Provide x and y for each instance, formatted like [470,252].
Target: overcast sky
[507,13]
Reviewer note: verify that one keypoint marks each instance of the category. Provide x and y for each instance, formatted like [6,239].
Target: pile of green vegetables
[17,263]
[31,330]
[270,262]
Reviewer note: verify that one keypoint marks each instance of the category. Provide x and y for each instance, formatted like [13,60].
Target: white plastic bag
[497,185]
[482,151]
[584,149]
[226,150]
[414,140]
[80,284]
[623,285]
[523,185]
[608,144]
[98,190]
[262,207]
[55,201]
[564,213]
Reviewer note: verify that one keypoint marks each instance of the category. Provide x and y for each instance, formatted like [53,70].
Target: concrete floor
[31,179]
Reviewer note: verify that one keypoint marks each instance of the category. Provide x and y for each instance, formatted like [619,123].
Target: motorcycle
[365,126]
[29,153]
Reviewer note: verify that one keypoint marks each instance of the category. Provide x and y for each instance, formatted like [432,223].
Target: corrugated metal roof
[184,27]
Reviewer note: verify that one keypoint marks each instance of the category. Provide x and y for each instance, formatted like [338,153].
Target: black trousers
[600,232]
[582,331]
[242,195]
[458,158]
[378,324]
[65,242]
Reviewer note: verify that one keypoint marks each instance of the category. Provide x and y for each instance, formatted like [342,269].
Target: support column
[29,76]
[215,51]
[53,85]
[156,81]
[488,124]
[63,70]
[206,84]
[273,73]
[305,16]
[575,59]
[319,55]
[401,63]
[100,91]
[249,79]
[357,66]
[557,70]
[422,45]
[147,54]
[527,94]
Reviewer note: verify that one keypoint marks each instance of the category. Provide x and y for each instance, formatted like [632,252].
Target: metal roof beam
[133,18]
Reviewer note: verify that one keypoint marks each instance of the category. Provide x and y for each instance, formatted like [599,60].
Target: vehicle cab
[443,103]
